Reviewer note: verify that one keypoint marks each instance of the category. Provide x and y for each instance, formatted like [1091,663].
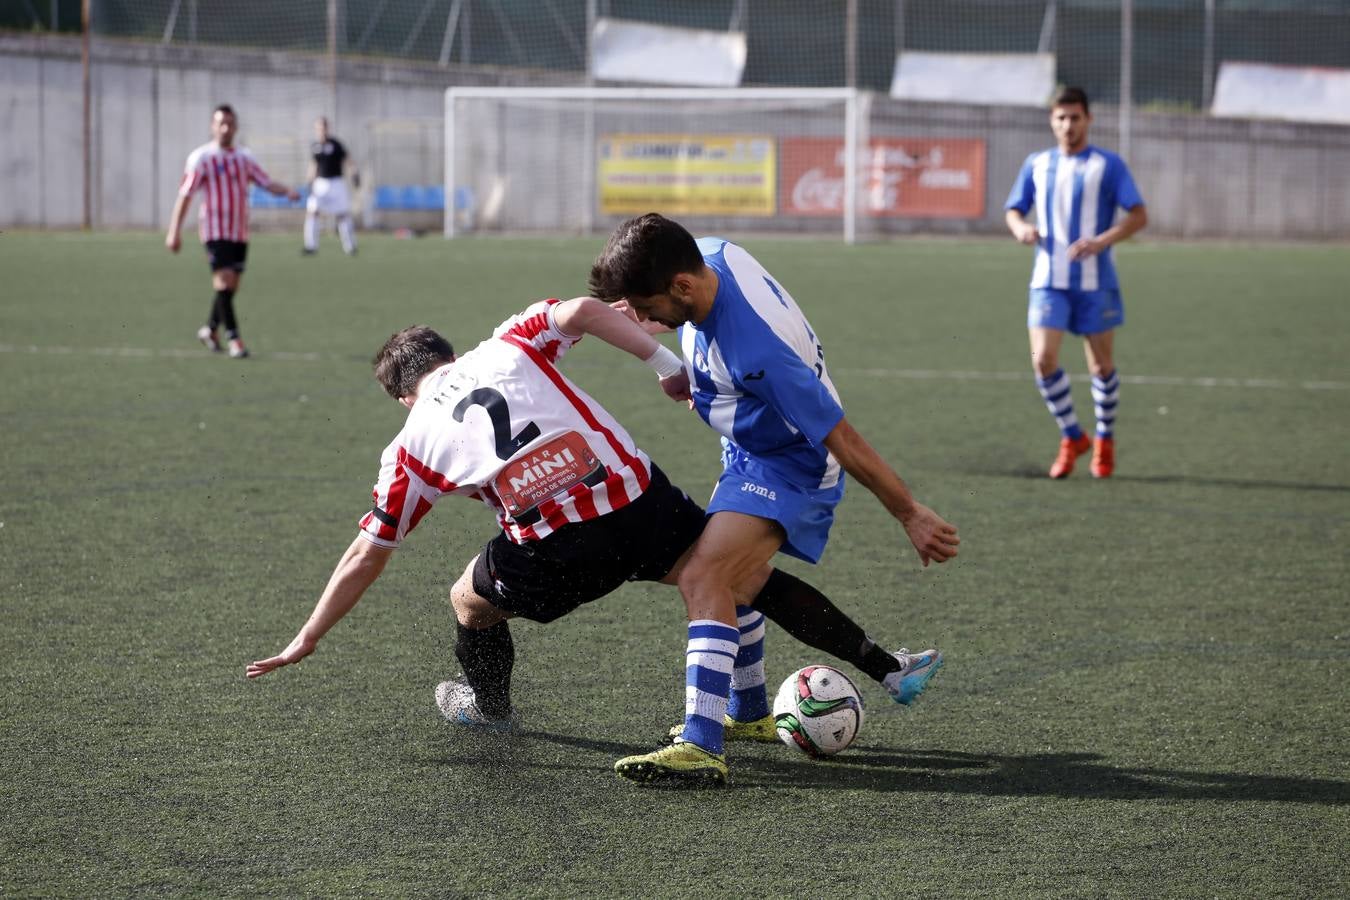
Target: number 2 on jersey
[500,415]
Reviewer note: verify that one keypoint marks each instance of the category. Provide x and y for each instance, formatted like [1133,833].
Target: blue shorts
[748,486]
[1081,312]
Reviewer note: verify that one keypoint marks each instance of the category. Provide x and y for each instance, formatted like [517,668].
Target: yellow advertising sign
[709,174]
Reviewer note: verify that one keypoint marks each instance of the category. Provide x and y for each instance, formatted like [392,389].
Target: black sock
[810,617]
[222,310]
[487,656]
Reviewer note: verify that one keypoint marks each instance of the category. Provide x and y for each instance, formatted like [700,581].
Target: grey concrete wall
[1201,177]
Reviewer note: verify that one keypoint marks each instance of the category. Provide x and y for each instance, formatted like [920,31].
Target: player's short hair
[225,108]
[1069,96]
[407,357]
[642,258]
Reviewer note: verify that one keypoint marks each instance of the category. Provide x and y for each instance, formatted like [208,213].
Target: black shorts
[583,561]
[226,255]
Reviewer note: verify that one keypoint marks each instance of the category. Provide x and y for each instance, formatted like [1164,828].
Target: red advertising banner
[922,178]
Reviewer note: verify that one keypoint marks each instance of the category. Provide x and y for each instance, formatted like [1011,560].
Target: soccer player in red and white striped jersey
[223,173]
[582,509]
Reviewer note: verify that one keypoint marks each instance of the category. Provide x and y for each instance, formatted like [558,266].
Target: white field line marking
[1177,380]
[145,353]
[904,374]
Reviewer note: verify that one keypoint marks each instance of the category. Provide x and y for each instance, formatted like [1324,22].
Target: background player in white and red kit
[581,507]
[222,172]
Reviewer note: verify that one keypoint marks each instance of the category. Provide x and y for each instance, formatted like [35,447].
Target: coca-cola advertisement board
[921,178]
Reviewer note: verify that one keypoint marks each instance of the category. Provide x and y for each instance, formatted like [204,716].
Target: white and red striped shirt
[502,425]
[223,175]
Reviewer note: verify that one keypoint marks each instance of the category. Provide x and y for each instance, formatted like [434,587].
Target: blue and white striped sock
[1105,396]
[1058,399]
[708,662]
[749,700]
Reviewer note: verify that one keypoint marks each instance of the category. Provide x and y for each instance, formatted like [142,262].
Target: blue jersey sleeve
[776,375]
[1126,193]
[1023,192]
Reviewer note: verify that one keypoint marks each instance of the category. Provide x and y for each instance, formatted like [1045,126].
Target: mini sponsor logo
[751,488]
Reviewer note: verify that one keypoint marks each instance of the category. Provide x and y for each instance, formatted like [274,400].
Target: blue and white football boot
[916,670]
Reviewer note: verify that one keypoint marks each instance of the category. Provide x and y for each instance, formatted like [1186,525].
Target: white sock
[347,233]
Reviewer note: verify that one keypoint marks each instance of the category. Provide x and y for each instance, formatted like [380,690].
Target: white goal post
[581,159]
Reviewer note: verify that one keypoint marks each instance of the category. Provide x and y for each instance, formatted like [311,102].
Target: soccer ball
[818,711]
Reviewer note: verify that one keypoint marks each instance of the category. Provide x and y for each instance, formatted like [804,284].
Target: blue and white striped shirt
[1076,197]
[759,376]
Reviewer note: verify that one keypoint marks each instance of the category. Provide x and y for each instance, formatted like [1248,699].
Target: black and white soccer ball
[818,710]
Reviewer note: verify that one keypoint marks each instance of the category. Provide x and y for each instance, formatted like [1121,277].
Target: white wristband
[664,362]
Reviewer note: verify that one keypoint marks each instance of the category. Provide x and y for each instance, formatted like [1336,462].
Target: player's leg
[1048,316]
[346,233]
[312,213]
[804,612]
[486,655]
[732,550]
[225,281]
[808,615]
[1100,351]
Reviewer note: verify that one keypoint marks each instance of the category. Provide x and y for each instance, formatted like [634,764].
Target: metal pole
[86,20]
[590,194]
[1046,44]
[851,168]
[1126,77]
[851,43]
[899,27]
[1207,79]
[332,62]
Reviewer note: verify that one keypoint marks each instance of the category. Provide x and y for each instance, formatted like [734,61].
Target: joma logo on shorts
[761,490]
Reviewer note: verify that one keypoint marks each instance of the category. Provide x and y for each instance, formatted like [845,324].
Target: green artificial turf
[1146,681]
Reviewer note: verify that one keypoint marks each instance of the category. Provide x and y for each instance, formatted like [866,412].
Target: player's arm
[933,538]
[1022,230]
[174,239]
[1018,204]
[277,189]
[586,315]
[1133,220]
[355,572]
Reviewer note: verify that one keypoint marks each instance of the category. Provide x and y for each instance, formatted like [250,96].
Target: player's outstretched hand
[293,195]
[932,536]
[1027,234]
[174,242]
[677,386]
[296,651]
[647,324]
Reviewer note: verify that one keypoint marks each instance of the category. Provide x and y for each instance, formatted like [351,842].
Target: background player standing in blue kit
[758,378]
[1076,189]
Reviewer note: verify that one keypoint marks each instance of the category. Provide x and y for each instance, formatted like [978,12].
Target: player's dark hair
[643,257]
[1071,95]
[225,108]
[409,355]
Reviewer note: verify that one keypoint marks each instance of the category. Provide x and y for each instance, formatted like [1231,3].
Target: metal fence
[1177,44]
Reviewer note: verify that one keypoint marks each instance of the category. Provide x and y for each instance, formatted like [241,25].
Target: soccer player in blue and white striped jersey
[1076,189]
[758,378]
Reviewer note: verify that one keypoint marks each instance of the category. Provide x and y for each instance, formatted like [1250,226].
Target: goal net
[581,159]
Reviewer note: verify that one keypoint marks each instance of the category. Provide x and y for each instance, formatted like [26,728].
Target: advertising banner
[689,174]
[921,178]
